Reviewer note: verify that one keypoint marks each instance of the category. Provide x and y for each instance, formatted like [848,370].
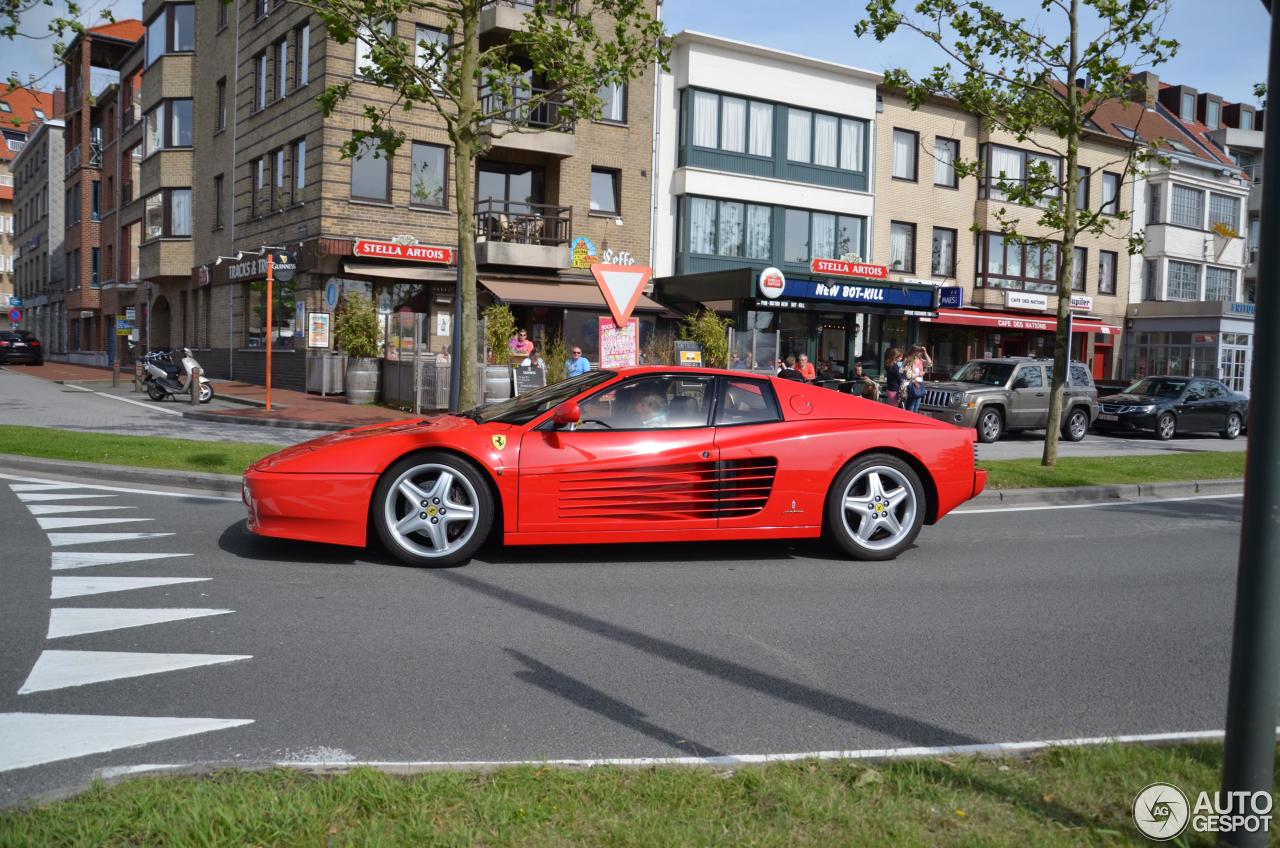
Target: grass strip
[1111,470]
[138,451]
[1064,796]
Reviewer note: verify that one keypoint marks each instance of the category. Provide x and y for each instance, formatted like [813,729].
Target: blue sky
[1224,42]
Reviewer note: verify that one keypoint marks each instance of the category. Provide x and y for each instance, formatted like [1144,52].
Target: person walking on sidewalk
[893,376]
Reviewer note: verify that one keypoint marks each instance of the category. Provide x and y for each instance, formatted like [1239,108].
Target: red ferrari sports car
[636,455]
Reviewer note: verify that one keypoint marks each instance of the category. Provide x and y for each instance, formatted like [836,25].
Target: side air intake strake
[692,491]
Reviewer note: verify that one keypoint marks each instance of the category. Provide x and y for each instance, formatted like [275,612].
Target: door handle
[1039,394]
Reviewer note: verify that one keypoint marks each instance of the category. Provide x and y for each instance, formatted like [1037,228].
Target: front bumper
[328,508]
[1127,424]
[959,415]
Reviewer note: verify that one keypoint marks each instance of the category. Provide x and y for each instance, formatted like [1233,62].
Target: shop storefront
[849,316]
[1191,339]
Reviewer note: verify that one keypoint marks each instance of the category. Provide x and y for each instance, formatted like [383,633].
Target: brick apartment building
[270,174]
[39,230]
[22,111]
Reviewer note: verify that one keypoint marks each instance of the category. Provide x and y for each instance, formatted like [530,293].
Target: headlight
[1145,409]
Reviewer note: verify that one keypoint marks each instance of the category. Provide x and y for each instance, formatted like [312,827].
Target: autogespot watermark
[1162,812]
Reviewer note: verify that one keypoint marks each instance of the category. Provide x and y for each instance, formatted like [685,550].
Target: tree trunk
[464,146]
[1062,340]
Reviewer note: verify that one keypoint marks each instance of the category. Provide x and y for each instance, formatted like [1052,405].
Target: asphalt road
[999,626]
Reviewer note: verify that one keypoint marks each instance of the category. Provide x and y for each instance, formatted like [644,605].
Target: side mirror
[567,413]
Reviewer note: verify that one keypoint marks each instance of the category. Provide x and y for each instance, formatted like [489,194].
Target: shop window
[284,334]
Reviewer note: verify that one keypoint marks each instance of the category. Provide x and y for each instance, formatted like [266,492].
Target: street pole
[271,261]
[455,367]
[1253,694]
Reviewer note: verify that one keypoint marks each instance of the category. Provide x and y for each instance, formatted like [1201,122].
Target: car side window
[1080,377]
[1196,391]
[656,402]
[1029,378]
[744,401]
[1216,391]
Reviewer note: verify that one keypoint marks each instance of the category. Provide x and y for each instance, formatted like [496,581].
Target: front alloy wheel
[432,509]
[990,425]
[1077,425]
[1166,426]
[875,507]
[1232,429]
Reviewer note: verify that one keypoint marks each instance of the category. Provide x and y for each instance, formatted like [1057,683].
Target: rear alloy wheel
[1232,430]
[990,425]
[432,509]
[1077,425]
[875,507]
[1166,426]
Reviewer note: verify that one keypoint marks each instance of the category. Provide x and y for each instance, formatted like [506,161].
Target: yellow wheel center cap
[433,511]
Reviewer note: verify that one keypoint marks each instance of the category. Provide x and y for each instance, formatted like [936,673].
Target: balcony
[503,17]
[551,132]
[72,161]
[530,235]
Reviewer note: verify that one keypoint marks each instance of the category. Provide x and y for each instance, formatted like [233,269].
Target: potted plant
[356,330]
[712,332]
[499,328]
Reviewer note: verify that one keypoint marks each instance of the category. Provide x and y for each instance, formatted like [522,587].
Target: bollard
[194,385]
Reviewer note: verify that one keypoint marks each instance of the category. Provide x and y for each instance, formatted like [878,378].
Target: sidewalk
[288,408]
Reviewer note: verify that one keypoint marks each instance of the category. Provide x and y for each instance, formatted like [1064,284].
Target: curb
[268,422]
[1094,494]
[225,484]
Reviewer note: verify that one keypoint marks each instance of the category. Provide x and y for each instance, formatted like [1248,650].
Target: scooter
[163,378]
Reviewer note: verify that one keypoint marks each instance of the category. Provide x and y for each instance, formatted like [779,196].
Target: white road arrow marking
[74,587]
[32,739]
[63,560]
[76,621]
[61,669]
[32,497]
[65,509]
[59,540]
[64,523]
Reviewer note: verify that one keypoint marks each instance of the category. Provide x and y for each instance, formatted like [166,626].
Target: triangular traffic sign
[621,286]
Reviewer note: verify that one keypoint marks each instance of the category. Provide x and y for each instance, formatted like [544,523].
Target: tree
[1022,77]
[15,13]
[484,92]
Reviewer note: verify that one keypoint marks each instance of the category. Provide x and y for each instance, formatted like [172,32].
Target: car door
[1028,398]
[1217,404]
[750,429]
[1194,409]
[643,457]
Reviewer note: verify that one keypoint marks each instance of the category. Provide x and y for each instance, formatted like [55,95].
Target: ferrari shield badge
[499,442]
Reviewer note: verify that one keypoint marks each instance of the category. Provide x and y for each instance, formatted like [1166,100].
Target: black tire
[1166,426]
[206,392]
[411,546]
[895,524]
[155,392]
[990,425]
[1234,425]
[1076,426]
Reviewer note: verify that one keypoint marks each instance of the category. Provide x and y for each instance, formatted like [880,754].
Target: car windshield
[524,408]
[1157,388]
[987,373]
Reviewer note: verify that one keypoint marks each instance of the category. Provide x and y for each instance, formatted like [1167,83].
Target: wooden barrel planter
[362,380]
[497,383]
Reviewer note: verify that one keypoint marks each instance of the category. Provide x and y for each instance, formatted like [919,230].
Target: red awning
[1018,321]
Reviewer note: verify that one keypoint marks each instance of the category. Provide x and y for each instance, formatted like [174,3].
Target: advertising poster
[619,346]
[318,329]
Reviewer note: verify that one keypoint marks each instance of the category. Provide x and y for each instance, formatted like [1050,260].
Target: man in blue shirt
[577,364]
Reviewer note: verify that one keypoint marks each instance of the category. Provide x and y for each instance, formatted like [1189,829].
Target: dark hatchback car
[1169,405]
[20,346]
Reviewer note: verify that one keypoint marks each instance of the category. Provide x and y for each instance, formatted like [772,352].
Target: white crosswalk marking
[63,560]
[32,739]
[34,497]
[61,669]
[77,621]
[40,487]
[65,509]
[64,523]
[59,540]
[74,587]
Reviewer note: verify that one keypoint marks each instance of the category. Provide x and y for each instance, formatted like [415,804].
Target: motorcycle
[167,375]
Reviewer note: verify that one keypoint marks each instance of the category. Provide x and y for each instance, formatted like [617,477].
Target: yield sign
[621,286]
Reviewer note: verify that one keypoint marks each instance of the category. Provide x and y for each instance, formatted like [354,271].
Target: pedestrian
[914,367]
[534,359]
[576,365]
[805,367]
[520,344]
[827,371]
[893,376]
[788,370]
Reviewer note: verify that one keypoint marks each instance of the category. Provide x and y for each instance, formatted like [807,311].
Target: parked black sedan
[20,346]
[1169,405]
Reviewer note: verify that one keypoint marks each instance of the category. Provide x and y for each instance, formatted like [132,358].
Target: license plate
[19,344]
[1105,417]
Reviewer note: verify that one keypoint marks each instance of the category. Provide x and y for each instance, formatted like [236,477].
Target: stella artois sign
[844,268]
[407,252]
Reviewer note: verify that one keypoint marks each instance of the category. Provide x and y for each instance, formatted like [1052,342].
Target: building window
[1246,120]
[1082,188]
[1224,210]
[167,214]
[95,267]
[370,173]
[1212,115]
[945,153]
[614,103]
[428,180]
[799,135]
[223,15]
[153,216]
[606,191]
[1150,280]
[702,226]
[1219,284]
[1107,271]
[172,30]
[299,168]
[217,202]
[302,55]
[279,185]
[365,41]
[904,154]
[944,252]
[1110,194]
[1188,207]
[261,195]
[737,126]
[95,200]
[282,68]
[263,81]
[1079,269]
[1154,213]
[728,228]
[1007,264]
[902,246]
[1184,280]
[706,119]
[430,53]
[1188,111]
[220,117]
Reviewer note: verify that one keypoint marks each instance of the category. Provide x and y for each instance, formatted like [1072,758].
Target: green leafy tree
[712,332]
[484,92]
[1022,76]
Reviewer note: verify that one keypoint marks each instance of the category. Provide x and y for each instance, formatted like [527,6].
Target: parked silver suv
[1001,395]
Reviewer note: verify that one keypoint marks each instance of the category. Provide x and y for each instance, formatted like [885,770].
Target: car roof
[636,370]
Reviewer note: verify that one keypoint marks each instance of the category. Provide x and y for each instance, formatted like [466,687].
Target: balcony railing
[545,114]
[566,8]
[72,161]
[523,223]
